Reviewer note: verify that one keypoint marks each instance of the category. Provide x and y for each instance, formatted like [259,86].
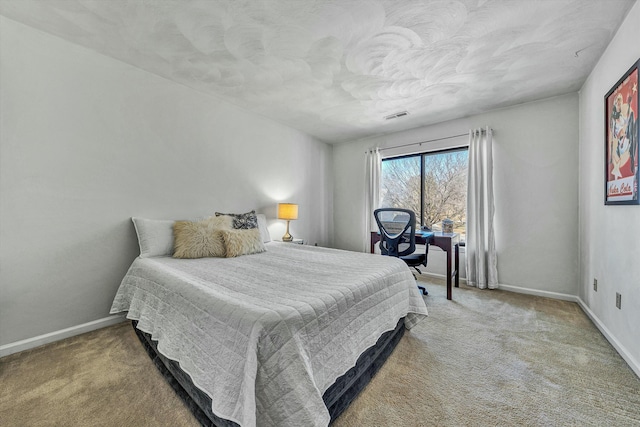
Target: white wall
[536,190]
[87,142]
[610,235]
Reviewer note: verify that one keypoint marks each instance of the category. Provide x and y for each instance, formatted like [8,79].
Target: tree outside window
[432,184]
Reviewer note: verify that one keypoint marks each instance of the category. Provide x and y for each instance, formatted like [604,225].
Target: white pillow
[264,231]
[155,236]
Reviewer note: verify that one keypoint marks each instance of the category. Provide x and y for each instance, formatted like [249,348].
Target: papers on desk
[424,234]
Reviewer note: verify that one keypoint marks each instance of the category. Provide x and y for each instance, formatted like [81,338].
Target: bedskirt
[337,397]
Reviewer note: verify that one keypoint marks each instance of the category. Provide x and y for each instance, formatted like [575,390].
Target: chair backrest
[397,231]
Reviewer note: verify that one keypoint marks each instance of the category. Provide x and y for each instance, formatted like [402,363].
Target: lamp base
[287,237]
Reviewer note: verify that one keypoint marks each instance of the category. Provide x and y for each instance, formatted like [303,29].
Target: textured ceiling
[335,69]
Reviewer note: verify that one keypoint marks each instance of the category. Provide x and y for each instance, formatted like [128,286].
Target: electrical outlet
[595,285]
[618,300]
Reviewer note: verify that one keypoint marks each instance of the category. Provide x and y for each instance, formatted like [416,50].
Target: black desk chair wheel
[398,237]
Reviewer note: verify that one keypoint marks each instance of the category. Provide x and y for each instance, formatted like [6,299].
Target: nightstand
[296,241]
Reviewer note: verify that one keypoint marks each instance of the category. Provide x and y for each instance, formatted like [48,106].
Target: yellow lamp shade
[287,211]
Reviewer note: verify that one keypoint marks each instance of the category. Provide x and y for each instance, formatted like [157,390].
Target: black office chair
[398,237]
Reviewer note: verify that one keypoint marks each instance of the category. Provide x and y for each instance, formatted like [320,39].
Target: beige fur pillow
[242,242]
[200,239]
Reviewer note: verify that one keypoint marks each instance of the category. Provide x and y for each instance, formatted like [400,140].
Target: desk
[448,242]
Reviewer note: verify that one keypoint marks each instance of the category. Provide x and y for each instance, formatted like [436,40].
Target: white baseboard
[622,351]
[539,293]
[34,342]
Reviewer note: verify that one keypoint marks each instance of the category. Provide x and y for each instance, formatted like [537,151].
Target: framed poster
[621,140]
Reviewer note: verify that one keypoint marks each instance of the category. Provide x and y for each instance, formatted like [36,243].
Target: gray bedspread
[265,335]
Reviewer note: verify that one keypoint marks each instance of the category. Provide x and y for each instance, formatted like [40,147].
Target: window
[433,185]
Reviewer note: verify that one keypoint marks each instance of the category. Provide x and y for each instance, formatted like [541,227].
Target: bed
[285,337]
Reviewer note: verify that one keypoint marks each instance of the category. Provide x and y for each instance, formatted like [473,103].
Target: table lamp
[288,211]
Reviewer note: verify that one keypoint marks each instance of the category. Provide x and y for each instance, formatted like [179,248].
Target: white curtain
[373,169]
[481,257]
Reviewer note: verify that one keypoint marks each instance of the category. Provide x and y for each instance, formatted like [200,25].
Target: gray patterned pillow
[245,221]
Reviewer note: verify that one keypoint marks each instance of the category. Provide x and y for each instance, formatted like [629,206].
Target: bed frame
[337,397]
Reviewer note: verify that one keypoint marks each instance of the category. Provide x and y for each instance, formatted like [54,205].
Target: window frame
[422,168]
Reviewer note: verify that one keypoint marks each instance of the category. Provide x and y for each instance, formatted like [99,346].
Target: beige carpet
[487,358]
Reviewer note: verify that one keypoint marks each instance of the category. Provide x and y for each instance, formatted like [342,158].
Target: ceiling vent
[396,115]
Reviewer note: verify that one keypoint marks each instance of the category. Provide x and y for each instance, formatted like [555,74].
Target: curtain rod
[429,140]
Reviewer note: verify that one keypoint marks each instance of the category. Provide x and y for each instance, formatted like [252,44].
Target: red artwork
[621,103]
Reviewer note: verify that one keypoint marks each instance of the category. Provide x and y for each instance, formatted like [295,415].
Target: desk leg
[457,258]
[375,238]
[448,273]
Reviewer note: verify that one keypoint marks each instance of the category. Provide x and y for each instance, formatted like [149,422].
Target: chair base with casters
[414,260]
[398,238]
